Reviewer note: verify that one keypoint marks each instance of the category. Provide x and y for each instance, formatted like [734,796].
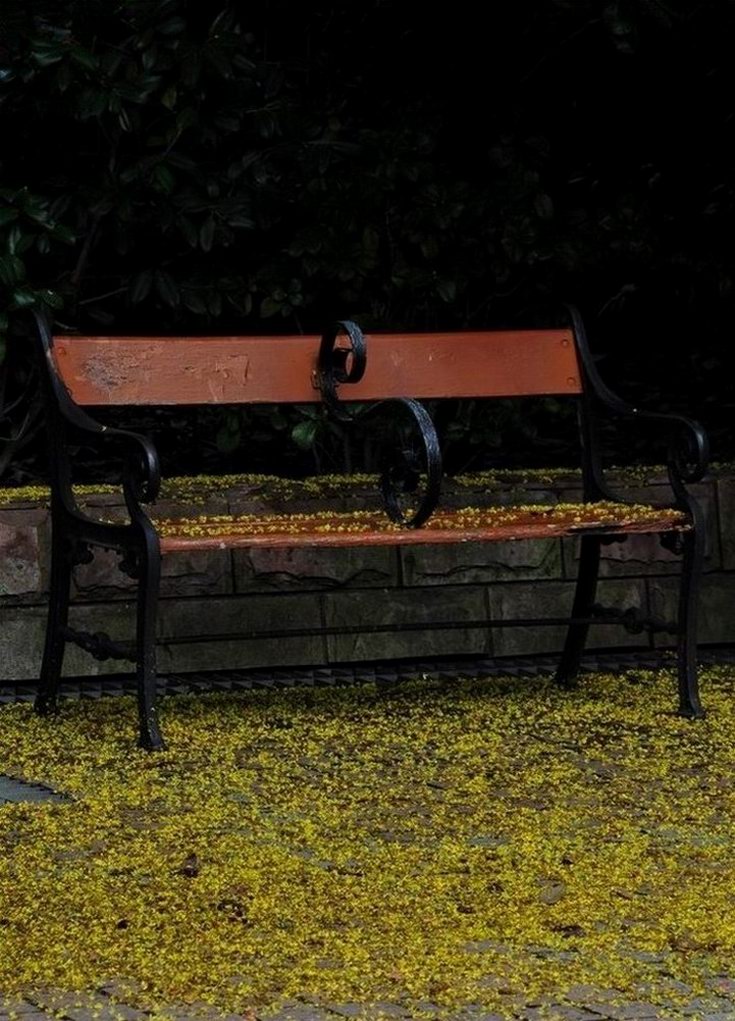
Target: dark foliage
[168,165]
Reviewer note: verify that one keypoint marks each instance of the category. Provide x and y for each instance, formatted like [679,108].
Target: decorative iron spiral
[337,365]
[405,466]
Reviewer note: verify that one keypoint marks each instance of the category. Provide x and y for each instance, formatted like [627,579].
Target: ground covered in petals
[433,844]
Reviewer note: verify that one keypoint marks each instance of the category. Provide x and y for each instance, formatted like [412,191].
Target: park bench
[392,373]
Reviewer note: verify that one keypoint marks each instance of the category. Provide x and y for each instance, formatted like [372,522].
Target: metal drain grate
[381,672]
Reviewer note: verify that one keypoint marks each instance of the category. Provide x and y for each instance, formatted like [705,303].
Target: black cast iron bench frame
[75,535]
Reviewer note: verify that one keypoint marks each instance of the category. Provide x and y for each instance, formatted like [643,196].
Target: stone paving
[113,1000]
[581,1003]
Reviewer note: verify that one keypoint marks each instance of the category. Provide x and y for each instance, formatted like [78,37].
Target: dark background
[174,166]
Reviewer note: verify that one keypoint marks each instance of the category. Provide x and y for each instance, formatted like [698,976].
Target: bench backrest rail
[282,370]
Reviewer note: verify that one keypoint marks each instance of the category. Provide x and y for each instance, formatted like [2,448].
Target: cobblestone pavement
[581,1003]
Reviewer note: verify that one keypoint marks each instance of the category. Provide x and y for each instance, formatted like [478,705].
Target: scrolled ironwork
[405,467]
[688,449]
[130,563]
[98,644]
[142,471]
[672,541]
[337,365]
[79,552]
[633,620]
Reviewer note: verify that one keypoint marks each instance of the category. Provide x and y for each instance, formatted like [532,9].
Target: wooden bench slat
[450,527]
[254,370]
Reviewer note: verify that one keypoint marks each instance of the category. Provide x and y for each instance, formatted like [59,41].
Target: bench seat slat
[373,528]
[261,370]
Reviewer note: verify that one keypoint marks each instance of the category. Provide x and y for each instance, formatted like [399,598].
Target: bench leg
[148,586]
[584,597]
[689,593]
[55,644]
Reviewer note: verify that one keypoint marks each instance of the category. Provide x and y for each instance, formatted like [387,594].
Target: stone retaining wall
[265,608]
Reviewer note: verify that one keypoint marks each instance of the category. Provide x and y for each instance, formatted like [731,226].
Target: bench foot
[151,739]
[46,704]
[564,682]
[693,712]
[689,704]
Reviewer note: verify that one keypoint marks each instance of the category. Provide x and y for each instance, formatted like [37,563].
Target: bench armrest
[687,456]
[141,472]
[688,444]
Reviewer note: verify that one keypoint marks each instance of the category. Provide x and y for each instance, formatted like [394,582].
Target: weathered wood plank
[254,370]
[413,536]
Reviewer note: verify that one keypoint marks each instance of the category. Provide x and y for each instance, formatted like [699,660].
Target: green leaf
[14,236]
[169,97]
[101,316]
[167,288]
[188,231]
[269,307]
[218,61]
[186,118]
[62,233]
[227,122]
[223,22]
[92,103]
[206,234]
[229,435]
[194,302]
[24,299]
[46,53]
[182,162]
[214,303]
[7,215]
[149,57]
[21,241]
[304,433]
[370,240]
[447,290]
[173,26]
[84,58]
[140,286]
[277,420]
[163,179]
[544,206]
[243,63]
[11,270]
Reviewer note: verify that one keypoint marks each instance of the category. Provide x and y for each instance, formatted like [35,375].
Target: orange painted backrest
[264,370]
